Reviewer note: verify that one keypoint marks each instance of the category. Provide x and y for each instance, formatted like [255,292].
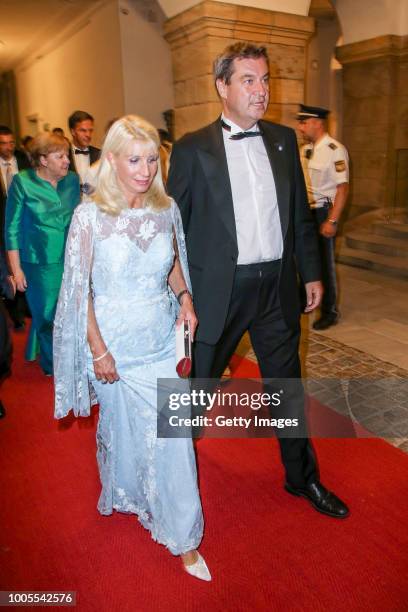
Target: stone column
[199,34]
[375,121]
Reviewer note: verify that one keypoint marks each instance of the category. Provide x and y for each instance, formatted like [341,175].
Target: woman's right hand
[105,369]
[20,280]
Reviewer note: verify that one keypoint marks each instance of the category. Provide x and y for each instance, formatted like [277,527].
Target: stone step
[374,243]
[392,230]
[393,266]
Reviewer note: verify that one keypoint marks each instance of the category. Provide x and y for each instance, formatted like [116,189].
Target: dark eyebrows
[252,75]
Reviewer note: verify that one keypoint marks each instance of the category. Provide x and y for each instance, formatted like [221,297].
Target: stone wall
[199,34]
[375,121]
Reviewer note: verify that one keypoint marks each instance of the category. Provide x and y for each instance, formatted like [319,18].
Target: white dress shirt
[82,163]
[90,177]
[4,165]
[254,197]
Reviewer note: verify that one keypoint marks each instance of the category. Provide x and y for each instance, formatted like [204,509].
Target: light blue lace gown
[151,477]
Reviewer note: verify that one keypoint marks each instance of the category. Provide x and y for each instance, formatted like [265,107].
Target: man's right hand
[314,294]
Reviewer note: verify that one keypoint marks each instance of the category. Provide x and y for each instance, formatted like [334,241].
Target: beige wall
[295,7]
[84,72]
[365,19]
[146,60]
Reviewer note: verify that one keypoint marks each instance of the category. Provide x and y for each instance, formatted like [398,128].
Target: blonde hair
[45,143]
[108,195]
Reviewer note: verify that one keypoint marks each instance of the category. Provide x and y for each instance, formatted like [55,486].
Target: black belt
[323,203]
[258,269]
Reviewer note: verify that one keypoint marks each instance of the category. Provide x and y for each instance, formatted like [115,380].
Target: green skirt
[43,286]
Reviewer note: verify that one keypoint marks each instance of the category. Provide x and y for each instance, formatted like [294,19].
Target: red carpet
[266,550]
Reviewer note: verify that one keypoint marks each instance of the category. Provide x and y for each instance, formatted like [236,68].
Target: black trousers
[5,343]
[255,307]
[327,257]
[17,308]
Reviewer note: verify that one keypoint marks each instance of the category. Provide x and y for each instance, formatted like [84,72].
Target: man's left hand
[314,294]
[327,229]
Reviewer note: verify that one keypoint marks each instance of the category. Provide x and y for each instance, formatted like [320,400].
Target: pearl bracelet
[101,356]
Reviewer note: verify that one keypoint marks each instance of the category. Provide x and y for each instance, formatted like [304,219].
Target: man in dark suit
[240,188]
[82,154]
[11,162]
[7,291]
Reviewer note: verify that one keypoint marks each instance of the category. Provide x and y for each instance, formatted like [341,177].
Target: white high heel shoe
[199,569]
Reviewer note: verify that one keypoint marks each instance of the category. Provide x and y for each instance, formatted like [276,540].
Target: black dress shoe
[2,410]
[321,499]
[324,322]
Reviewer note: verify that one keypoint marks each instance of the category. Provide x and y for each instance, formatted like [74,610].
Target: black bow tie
[239,135]
[81,152]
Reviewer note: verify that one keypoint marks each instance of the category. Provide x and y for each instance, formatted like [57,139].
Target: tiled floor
[374,315]
[370,341]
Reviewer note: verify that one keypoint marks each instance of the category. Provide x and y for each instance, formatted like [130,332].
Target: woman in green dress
[39,208]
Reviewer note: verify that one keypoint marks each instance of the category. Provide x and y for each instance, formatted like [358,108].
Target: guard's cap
[307,112]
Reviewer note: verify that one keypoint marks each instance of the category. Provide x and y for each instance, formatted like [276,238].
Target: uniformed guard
[326,168]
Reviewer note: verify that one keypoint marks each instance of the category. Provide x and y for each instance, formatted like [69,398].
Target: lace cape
[73,390]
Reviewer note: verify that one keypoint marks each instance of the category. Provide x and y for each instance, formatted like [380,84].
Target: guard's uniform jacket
[325,165]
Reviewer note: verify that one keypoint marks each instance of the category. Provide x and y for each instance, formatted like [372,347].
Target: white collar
[4,162]
[322,140]
[236,129]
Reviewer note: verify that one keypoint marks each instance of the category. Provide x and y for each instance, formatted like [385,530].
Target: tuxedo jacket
[23,163]
[94,155]
[199,183]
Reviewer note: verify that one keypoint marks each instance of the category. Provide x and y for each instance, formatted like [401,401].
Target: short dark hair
[164,135]
[5,130]
[77,117]
[26,140]
[223,64]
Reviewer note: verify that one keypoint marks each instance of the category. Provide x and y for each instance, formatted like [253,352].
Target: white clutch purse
[183,350]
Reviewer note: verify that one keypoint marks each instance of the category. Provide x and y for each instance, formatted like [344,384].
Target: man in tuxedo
[241,192]
[11,162]
[82,154]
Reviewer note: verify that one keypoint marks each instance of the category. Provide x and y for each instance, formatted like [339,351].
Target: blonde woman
[115,329]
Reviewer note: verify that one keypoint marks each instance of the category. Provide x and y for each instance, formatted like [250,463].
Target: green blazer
[38,216]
